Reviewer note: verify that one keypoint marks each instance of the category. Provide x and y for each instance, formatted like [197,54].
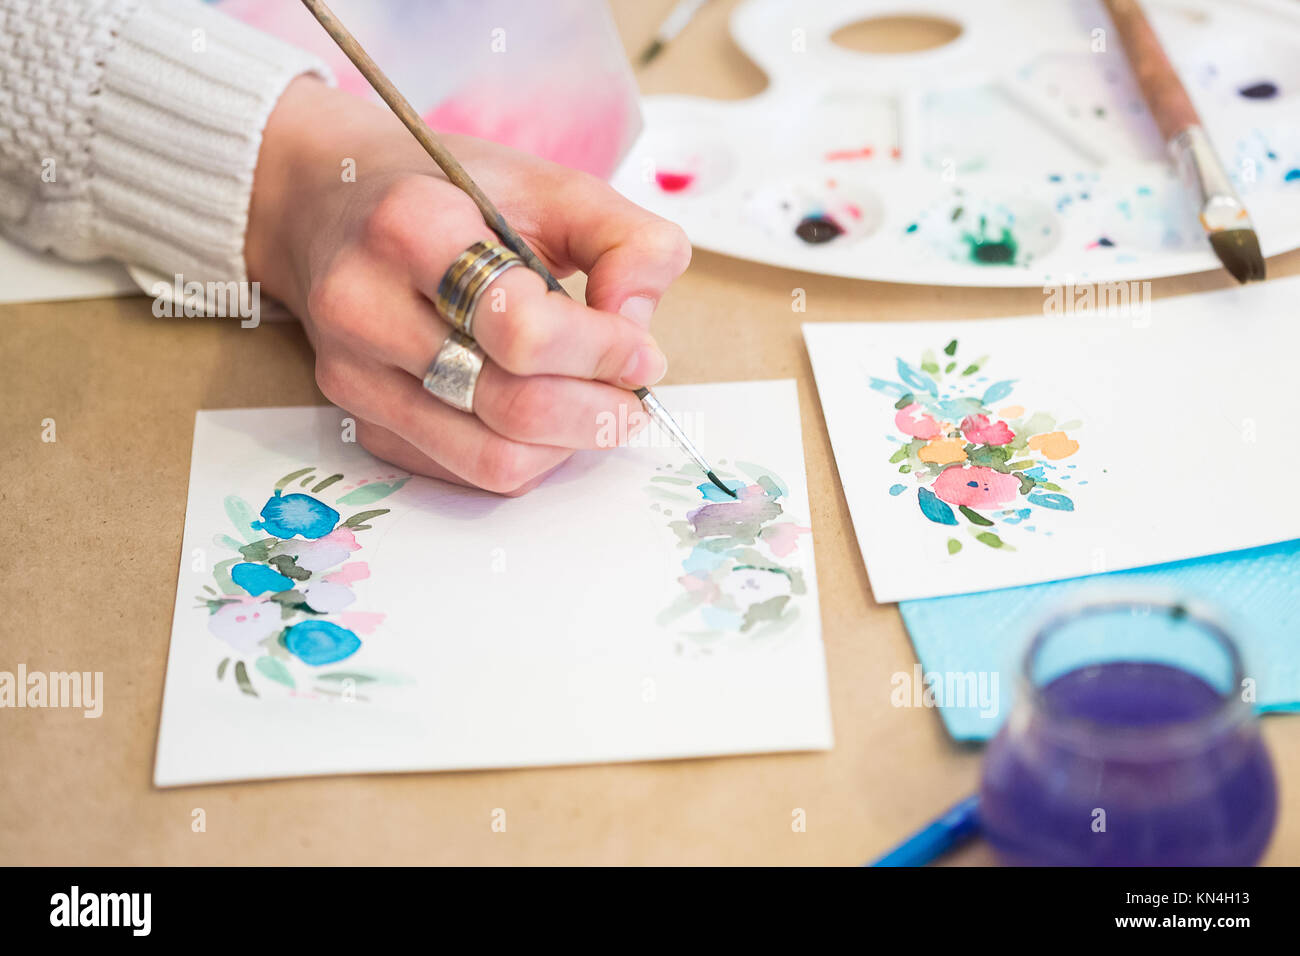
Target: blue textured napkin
[967,639]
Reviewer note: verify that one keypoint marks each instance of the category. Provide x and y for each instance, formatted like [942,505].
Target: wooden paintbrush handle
[1167,99]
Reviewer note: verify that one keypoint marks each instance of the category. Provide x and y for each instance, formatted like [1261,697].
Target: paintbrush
[680,15]
[1222,213]
[455,172]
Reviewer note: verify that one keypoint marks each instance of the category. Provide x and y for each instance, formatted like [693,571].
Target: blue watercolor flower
[291,515]
[259,579]
[320,642]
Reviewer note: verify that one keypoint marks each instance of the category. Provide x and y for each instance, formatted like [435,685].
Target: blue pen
[956,826]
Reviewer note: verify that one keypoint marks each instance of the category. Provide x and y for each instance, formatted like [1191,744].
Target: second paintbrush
[1223,214]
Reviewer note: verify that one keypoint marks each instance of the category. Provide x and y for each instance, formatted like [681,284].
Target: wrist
[285,161]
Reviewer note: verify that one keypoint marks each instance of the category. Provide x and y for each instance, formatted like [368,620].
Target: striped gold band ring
[464,283]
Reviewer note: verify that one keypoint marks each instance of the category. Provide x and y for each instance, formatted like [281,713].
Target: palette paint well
[1020,154]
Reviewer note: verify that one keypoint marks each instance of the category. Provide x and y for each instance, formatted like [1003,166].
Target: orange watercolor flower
[1054,445]
[943,451]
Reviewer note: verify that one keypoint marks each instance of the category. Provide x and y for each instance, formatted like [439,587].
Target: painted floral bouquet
[285,601]
[742,573]
[974,454]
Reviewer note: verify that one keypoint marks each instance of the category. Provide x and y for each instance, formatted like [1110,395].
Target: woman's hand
[358,261]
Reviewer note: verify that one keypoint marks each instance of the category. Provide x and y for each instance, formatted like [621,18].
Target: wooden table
[88,572]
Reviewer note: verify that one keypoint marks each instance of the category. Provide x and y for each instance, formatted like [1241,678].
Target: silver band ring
[468,277]
[481,287]
[454,372]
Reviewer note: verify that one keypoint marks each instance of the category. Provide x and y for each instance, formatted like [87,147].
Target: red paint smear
[853,211]
[896,152]
[674,182]
[866,152]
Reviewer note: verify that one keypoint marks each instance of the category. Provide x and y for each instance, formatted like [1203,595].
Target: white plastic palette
[1020,154]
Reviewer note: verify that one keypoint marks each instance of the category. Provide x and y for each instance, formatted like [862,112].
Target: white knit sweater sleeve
[129,129]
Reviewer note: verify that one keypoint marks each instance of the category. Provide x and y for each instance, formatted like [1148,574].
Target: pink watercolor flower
[976,487]
[783,538]
[980,431]
[912,421]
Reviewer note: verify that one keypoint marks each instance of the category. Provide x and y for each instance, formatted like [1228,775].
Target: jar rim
[1230,709]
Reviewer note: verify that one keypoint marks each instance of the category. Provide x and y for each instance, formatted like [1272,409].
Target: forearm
[133,129]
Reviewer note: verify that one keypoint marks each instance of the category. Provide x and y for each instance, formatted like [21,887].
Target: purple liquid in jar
[1175,769]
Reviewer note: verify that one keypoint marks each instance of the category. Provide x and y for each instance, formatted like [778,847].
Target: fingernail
[638,308]
[646,366]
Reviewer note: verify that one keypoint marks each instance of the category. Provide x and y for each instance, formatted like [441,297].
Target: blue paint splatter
[897,490]
[998,391]
[915,379]
[259,579]
[1292,175]
[1049,499]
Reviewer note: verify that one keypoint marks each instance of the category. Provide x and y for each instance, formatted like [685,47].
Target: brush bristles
[1238,250]
[714,478]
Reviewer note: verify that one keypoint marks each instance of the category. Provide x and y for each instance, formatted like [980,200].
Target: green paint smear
[989,538]
[898,456]
[241,516]
[369,494]
[953,545]
[221,668]
[221,574]
[672,480]
[974,517]
[948,369]
[763,476]
[906,400]
[275,670]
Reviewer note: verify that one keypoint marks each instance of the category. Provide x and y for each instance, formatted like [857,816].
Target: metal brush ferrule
[1220,207]
[660,414]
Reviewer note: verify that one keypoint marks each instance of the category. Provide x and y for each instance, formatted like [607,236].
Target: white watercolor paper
[1076,444]
[27,276]
[613,614]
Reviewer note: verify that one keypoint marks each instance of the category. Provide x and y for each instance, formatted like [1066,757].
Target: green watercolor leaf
[283,482]
[221,668]
[241,516]
[906,400]
[950,349]
[362,516]
[259,551]
[974,517]
[953,544]
[370,493]
[898,456]
[286,565]
[275,670]
[241,677]
[949,367]
[989,538]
